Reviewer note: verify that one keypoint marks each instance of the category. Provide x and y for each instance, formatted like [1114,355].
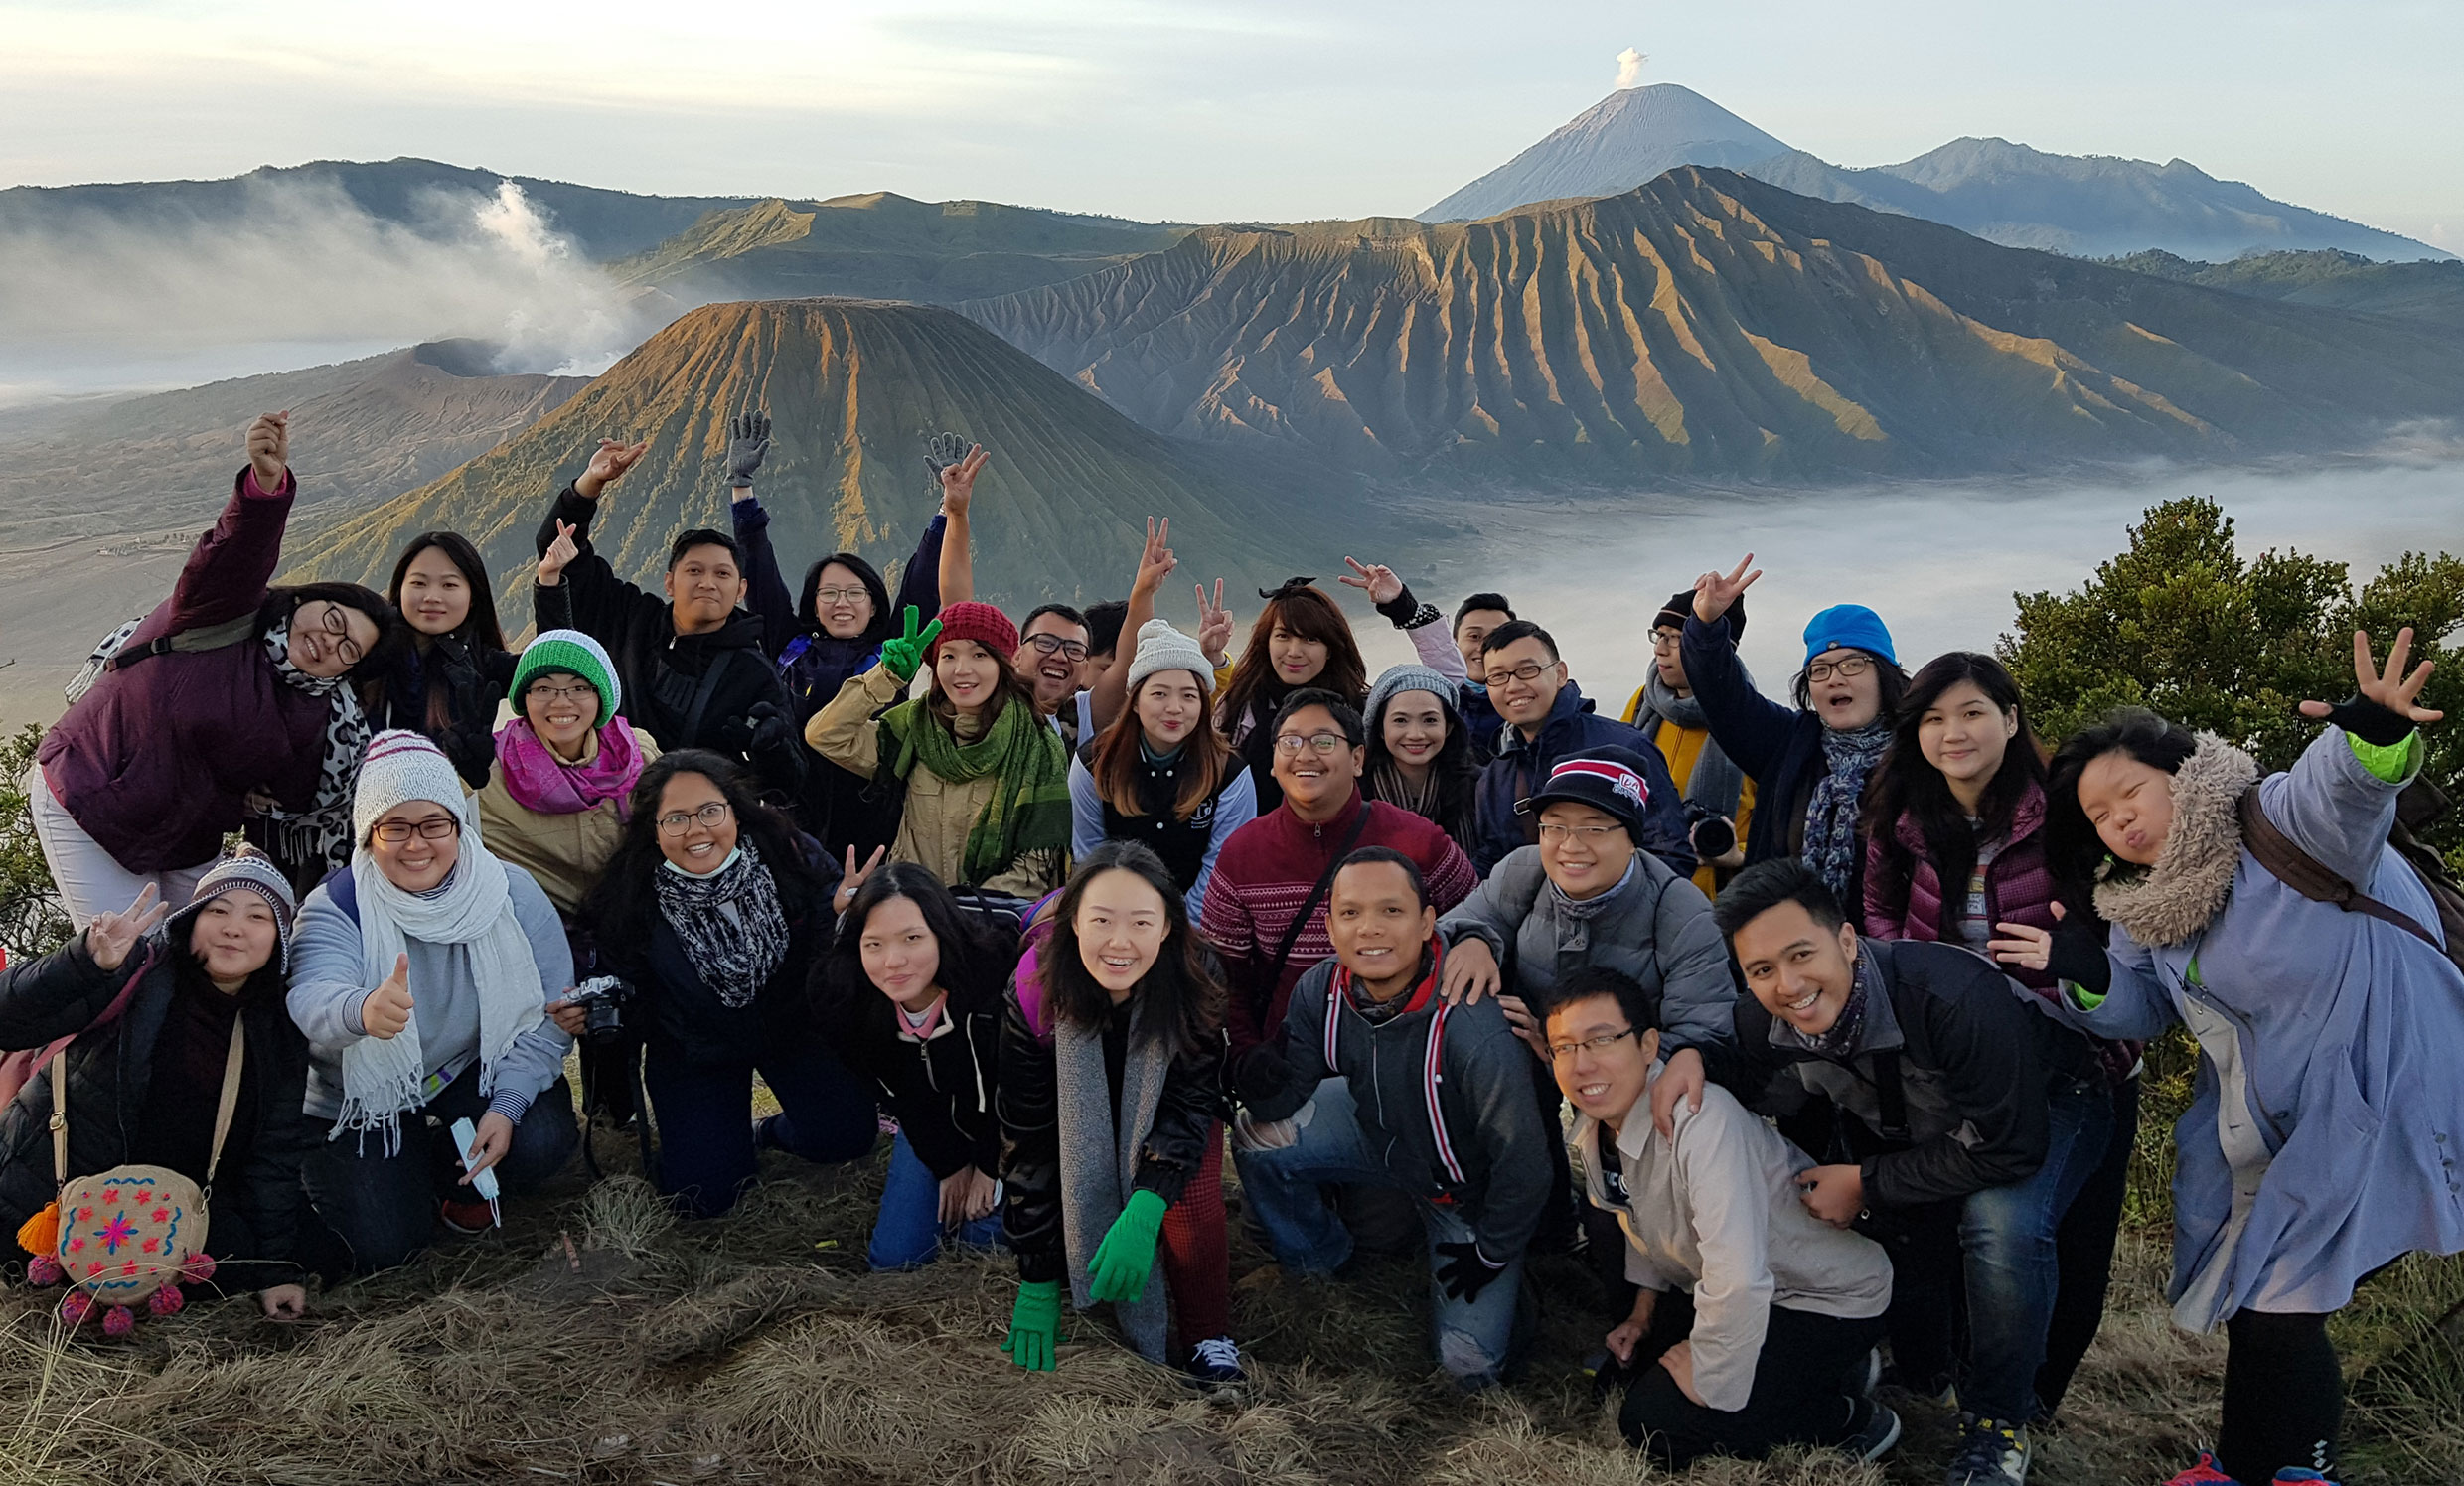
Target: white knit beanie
[401,767]
[1162,648]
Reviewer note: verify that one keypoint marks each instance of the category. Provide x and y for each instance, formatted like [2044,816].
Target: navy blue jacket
[1522,766]
[1480,721]
[1779,747]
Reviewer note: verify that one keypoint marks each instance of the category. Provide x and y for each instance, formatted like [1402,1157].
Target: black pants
[2283,1397]
[2085,1250]
[1805,1388]
[1556,1227]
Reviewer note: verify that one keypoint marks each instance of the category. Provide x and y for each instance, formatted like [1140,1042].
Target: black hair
[479,626]
[393,636]
[1903,784]
[625,904]
[1183,982]
[1893,683]
[1103,622]
[883,625]
[1456,773]
[1059,611]
[1519,629]
[1473,602]
[1585,983]
[1347,717]
[704,536]
[854,1016]
[1368,855]
[1766,885]
[2073,848]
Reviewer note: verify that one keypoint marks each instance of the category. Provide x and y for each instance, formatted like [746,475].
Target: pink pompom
[118,1321]
[77,1307]
[198,1270]
[43,1271]
[167,1301]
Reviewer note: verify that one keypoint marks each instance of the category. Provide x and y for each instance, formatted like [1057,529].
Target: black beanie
[1680,607]
[1611,780]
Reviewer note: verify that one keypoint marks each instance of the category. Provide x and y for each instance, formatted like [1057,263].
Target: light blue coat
[2341,1040]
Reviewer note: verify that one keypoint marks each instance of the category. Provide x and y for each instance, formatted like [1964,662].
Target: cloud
[1630,67]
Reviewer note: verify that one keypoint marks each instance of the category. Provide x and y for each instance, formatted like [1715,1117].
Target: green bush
[31,918]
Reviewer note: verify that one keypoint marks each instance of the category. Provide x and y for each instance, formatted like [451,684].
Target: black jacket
[1779,747]
[1522,767]
[1030,1134]
[675,1005]
[474,677]
[941,1091]
[662,673]
[1972,1063]
[257,1205]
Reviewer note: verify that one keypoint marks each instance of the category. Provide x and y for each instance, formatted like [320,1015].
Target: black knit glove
[771,729]
[1463,1270]
[2377,726]
[1405,612]
[2076,955]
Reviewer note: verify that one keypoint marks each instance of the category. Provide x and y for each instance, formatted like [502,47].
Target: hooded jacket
[474,679]
[1522,765]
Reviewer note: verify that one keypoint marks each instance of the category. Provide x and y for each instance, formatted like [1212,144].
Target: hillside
[881,245]
[1708,324]
[2090,206]
[854,388]
[1615,145]
[2425,294]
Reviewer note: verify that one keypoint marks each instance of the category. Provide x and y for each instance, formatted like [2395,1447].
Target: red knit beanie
[981,622]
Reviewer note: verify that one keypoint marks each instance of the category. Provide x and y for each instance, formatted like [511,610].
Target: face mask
[713,872]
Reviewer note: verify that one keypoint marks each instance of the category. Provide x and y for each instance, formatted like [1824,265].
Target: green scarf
[1028,812]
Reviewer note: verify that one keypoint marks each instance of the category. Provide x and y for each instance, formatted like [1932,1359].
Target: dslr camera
[603,999]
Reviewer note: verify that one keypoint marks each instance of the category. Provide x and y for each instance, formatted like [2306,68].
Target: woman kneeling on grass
[1111,1100]
[714,910]
[2321,1144]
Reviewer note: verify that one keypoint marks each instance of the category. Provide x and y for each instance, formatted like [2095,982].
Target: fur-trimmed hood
[2194,872]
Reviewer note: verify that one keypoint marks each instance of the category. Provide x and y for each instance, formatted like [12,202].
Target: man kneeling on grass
[1760,1318]
[1374,1079]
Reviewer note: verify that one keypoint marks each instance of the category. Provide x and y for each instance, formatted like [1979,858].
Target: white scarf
[382,1076]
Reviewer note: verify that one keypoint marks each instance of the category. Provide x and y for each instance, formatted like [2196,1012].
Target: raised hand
[851,878]
[1156,562]
[110,936]
[269,448]
[1379,580]
[2391,688]
[385,1014]
[1714,593]
[903,652]
[1214,625]
[749,443]
[608,466]
[560,552]
[958,480]
[943,450]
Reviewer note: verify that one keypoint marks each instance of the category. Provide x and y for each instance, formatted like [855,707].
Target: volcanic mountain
[1612,146]
[854,388]
[1709,324]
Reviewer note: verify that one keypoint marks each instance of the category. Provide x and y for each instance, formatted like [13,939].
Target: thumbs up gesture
[386,1012]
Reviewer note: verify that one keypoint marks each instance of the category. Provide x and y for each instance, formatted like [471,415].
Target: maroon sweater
[1265,872]
[157,761]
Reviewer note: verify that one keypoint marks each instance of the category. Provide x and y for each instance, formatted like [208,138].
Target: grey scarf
[1831,846]
[1717,784]
[1100,1153]
[1574,915]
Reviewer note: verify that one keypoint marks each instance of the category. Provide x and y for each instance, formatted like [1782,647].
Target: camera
[602,999]
[1712,833]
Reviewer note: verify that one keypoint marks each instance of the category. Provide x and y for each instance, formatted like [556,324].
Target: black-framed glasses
[337,628]
[1529,670]
[1076,649]
[578,692]
[1324,745]
[1667,640]
[1559,1051]
[433,829]
[1843,667]
[676,822]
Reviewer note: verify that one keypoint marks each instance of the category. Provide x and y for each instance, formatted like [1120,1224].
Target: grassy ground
[596,1340]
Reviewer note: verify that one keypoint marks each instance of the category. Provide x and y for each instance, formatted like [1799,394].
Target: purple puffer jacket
[156,761]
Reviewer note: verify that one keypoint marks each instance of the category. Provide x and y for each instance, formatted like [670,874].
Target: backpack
[106,654]
[2420,804]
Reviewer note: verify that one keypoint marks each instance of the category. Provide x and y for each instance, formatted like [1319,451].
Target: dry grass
[758,1349]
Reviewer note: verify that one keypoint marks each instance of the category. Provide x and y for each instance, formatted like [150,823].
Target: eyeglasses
[1529,670]
[1667,640]
[857,595]
[433,829]
[1323,745]
[1589,835]
[1560,1052]
[338,629]
[1843,667]
[1076,649]
[676,822]
[576,692]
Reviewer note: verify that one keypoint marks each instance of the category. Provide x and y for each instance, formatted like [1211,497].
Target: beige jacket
[932,831]
[1715,1211]
[564,852]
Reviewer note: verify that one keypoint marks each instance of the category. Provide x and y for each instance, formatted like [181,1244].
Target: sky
[1206,112]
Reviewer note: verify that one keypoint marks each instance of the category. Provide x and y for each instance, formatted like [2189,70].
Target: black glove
[771,729]
[1405,612]
[2380,727]
[749,443]
[2076,955]
[1463,1271]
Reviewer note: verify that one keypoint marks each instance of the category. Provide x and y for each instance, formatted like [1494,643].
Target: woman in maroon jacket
[228,702]
[1954,827]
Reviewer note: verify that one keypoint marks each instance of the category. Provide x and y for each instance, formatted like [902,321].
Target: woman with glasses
[715,914]
[983,779]
[1809,762]
[230,703]
[425,977]
[447,680]
[557,799]
[1161,774]
[1301,641]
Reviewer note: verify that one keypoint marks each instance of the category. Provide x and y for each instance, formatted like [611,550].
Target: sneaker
[469,1217]
[1873,1429]
[1216,1363]
[1871,1376]
[2301,1475]
[1991,1454]
[2204,1473]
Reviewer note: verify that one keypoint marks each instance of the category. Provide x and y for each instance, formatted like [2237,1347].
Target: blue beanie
[1850,625]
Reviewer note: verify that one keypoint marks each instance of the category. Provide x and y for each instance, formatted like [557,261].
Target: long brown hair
[1308,613]
[1205,758]
[1011,688]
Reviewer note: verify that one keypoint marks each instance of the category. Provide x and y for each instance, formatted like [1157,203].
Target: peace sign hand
[1378,580]
[1214,625]
[1156,562]
[903,652]
[2391,688]
[110,936]
[851,878]
[958,480]
[1713,593]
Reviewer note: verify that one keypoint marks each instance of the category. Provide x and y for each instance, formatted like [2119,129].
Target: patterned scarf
[540,782]
[729,922]
[1841,1041]
[1831,817]
[1715,784]
[321,833]
[1028,810]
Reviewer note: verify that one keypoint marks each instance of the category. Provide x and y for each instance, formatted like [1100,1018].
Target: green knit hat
[574,650]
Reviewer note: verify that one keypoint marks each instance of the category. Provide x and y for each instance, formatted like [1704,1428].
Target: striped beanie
[247,870]
[574,650]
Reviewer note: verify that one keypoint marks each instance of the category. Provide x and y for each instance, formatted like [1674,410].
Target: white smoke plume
[1630,67]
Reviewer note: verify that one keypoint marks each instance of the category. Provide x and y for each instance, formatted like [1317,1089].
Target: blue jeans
[907,1233]
[1477,1340]
[705,1115]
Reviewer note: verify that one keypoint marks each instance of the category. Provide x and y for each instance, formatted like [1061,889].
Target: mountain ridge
[1616,144]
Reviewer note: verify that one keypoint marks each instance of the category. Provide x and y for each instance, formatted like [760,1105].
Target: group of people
[1813,1023]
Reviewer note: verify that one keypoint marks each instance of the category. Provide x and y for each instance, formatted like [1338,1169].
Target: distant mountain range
[1708,324]
[2094,205]
[854,390]
[2429,295]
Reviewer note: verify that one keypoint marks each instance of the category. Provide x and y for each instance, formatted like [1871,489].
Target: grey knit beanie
[246,871]
[1398,679]
[1162,648]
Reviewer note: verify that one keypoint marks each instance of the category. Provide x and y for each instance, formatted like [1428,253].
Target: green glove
[905,653]
[1035,1321]
[1119,1271]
